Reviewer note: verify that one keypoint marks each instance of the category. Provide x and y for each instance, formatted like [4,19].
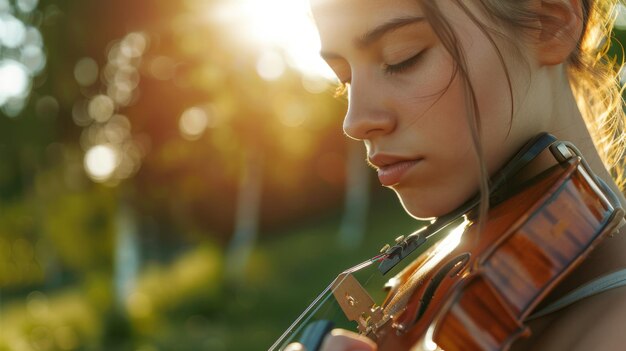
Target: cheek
[450,173]
[430,77]
[434,108]
[434,117]
[431,100]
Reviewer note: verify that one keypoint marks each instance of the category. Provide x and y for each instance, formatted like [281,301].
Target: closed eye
[402,66]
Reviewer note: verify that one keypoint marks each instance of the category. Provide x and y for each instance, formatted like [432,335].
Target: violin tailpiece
[356,303]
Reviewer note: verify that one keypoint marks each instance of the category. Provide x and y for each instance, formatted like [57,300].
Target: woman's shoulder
[594,323]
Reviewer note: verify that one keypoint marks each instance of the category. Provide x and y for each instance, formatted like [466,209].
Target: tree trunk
[126,255]
[354,219]
[247,217]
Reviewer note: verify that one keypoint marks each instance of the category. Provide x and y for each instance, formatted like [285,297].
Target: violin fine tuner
[403,247]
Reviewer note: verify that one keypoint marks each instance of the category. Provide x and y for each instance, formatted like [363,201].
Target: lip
[391,169]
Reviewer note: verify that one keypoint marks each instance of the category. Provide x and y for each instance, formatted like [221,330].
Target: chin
[426,208]
[423,210]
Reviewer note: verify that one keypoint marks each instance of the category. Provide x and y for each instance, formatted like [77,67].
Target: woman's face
[407,107]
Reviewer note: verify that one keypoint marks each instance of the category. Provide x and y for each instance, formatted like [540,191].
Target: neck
[567,123]
[562,118]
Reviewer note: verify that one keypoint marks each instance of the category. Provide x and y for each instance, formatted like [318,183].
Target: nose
[368,115]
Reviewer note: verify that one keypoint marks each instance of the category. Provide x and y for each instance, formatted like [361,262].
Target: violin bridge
[356,303]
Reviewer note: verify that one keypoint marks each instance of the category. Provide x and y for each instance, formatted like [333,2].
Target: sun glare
[284,25]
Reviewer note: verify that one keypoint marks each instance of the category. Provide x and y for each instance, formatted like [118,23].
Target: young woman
[444,92]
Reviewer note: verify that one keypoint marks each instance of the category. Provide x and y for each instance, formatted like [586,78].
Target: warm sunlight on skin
[278,25]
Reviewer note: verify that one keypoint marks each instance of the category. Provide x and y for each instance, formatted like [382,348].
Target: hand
[340,340]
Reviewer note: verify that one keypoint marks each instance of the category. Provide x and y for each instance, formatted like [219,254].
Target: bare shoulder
[595,323]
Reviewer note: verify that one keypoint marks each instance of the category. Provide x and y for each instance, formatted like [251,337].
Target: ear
[560,29]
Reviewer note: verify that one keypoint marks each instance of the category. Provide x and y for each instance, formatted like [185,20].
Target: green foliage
[169,302]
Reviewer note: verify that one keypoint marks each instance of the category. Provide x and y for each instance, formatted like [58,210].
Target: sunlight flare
[286,25]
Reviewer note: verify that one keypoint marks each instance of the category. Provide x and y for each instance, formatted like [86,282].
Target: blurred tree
[357,198]
[240,119]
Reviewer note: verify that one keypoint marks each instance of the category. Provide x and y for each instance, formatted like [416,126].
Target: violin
[474,289]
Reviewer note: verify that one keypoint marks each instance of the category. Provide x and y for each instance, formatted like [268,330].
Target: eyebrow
[376,33]
[387,27]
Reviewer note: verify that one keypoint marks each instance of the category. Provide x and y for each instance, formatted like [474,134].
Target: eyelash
[343,86]
[402,66]
[342,89]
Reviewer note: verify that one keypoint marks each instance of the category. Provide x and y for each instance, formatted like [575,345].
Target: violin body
[479,295]
[474,289]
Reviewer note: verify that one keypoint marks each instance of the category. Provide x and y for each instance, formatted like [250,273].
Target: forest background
[173,175]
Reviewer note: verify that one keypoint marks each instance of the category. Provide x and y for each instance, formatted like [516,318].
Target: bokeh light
[100,162]
[13,31]
[33,58]
[290,112]
[270,66]
[33,37]
[134,45]
[111,153]
[86,71]
[117,130]
[101,108]
[79,113]
[193,123]
[22,55]
[27,5]
[14,80]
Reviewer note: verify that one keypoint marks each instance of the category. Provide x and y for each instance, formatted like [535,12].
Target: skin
[404,114]
[410,107]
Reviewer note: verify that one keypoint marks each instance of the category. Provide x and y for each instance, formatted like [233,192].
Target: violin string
[378,258]
[319,301]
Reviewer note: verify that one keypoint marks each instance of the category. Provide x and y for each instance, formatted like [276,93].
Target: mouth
[391,169]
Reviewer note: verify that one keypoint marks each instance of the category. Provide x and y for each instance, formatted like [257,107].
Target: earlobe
[561,26]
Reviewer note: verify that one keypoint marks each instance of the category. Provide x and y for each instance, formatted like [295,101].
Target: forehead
[358,6]
[335,17]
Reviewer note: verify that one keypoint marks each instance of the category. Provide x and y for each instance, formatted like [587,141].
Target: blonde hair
[595,83]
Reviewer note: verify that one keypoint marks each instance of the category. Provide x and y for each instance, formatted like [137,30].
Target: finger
[296,346]
[343,340]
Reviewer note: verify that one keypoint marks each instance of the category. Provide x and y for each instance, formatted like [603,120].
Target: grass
[185,304]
